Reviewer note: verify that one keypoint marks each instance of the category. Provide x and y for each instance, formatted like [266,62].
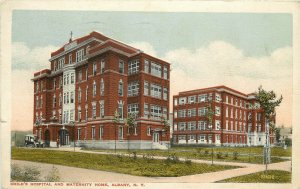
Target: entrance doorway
[64,137]
[155,137]
[47,138]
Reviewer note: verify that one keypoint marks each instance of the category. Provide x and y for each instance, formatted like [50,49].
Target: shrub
[172,159]
[53,175]
[134,155]
[235,155]
[219,155]
[226,154]
[27,174]
[206,152]
[188,161]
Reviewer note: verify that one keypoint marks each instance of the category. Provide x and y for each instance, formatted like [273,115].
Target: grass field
[146,166]
[270,176]
[236,154]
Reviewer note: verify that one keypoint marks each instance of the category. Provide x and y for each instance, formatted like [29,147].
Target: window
[165,95]
[146,110]
[102,65]
[121,66]
[191,112]
[101,132]
[54,101]
[202,125]
[55,65]
[94,89]
[226,99]
[37,102]
[41,103]
[236,113]
[86,74]
[93,133]
[71,115]
[102,87]
[258,115]
[70,58]
[79,115]
[218,111]
[54,83]
[165,112]
[79,95]
[120,109]
[133,109]
[155,91]
[181,113]
[155,69]
[65,79]
[201,138]
[61,63]
[133,88]
[175,101]
[146,66]
[192,125]
[68,98]
[72,97]
[133,67]
[102,108]
[80,75]
[218,124]
[86,93]
[218,97]
[155,112]
[182,126]
[72,78]
[182,100]
[191,99]
[202,111]
[86,114]
[175,114]
[148,131]
[120,133]
[175,126]
[79,55]
[146,88]
[95,68]
[165,72]
[120,88]
[60,81]
[231,113]
[226,111]
[37,87]
[94,111]
[78,134]
[202,98]
[60,99]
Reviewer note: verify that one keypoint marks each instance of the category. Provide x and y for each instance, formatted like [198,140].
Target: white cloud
[221,63]
[144,46]
[25,58]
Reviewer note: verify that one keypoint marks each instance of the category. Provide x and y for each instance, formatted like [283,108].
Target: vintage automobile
[33,141]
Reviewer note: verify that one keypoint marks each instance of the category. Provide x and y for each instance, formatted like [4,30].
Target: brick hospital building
[89,80]
[234,123]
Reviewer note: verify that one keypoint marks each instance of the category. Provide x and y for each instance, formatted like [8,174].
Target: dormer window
[79,55]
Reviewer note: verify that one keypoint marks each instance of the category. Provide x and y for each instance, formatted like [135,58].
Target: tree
[209,114]
[277,134]
[130,123]
[268,102]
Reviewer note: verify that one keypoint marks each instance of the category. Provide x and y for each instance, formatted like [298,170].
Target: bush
[27,174]
[172,159]
[53,176]
[219,155]
[134,155]
[235,155]
[226,154]
[206,152]
[188,161]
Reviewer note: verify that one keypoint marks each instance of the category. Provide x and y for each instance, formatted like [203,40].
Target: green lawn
[244,154]
[270,176]
[146,166]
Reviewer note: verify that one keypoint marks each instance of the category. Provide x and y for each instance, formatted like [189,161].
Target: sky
[239,50]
